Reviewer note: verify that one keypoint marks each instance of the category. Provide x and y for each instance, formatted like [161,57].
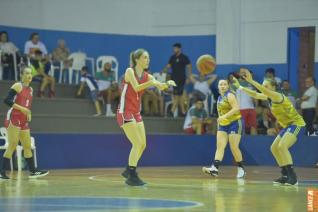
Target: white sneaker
[211,170]
[240,172]
[110,114]
[314,134]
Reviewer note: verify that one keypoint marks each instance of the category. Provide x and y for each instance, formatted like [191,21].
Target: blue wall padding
[61,151]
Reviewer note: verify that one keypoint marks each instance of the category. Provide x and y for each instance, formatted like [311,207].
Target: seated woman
[8,51]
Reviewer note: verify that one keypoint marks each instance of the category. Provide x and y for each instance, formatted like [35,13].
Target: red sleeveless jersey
[24,99]
[130,100]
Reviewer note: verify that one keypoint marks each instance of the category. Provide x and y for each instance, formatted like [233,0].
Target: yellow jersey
[34,71]
[223,107]
[285,113]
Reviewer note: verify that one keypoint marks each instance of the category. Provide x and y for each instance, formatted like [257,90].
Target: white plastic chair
[79,60]
[166,107]
[19,149]
[101,60]
[58,68]
[206,103]
[3,133]
[19,154]
[161,77]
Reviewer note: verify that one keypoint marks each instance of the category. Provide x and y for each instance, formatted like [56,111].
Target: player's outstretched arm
[250,92]
[273,95]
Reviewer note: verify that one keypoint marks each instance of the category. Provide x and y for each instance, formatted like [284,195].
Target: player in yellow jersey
[287,117]
[229,130]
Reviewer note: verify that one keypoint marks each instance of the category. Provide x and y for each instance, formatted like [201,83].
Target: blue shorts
[94,95]
[235,127]
[294,129]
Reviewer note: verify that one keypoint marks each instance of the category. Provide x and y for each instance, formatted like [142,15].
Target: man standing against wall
[308,105]
[178,63]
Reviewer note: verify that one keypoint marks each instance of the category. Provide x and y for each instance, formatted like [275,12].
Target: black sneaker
[125,173]
[3,176]
[291,180]
[38,173]
[281,180]
[134,180]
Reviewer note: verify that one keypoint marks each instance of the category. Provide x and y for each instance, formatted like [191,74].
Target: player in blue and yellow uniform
[287,117]
[229,130]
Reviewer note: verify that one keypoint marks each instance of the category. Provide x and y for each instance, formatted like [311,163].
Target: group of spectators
[194,97]
[256,114]
[36,56]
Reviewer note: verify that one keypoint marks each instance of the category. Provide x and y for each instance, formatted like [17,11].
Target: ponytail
[134,56]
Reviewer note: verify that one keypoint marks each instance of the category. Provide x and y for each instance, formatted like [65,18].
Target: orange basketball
[206,64]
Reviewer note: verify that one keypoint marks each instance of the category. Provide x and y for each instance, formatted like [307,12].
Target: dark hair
[233,74]
[38,52]
[136,55]
[84,68]
[4,32]
[33,34]
[198,98]
[270,70]
[178,45]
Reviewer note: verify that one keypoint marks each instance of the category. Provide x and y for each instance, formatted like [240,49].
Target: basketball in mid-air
[206,64]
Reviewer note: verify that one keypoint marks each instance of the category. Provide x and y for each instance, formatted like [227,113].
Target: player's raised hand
[235,82]
[246,74]
[171,83]
[159,85]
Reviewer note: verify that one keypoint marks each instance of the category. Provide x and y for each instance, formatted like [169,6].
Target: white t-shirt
[312,93]
[203,87]
[29,47]
[103,84]
[8,48]
[188,119]
[244,100]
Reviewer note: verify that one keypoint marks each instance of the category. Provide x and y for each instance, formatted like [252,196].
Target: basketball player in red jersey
[136,80]
[17,123]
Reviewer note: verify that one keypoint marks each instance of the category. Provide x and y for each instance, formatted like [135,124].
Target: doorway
[301,56]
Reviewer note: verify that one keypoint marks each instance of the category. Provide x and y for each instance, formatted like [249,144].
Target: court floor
[168,189]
